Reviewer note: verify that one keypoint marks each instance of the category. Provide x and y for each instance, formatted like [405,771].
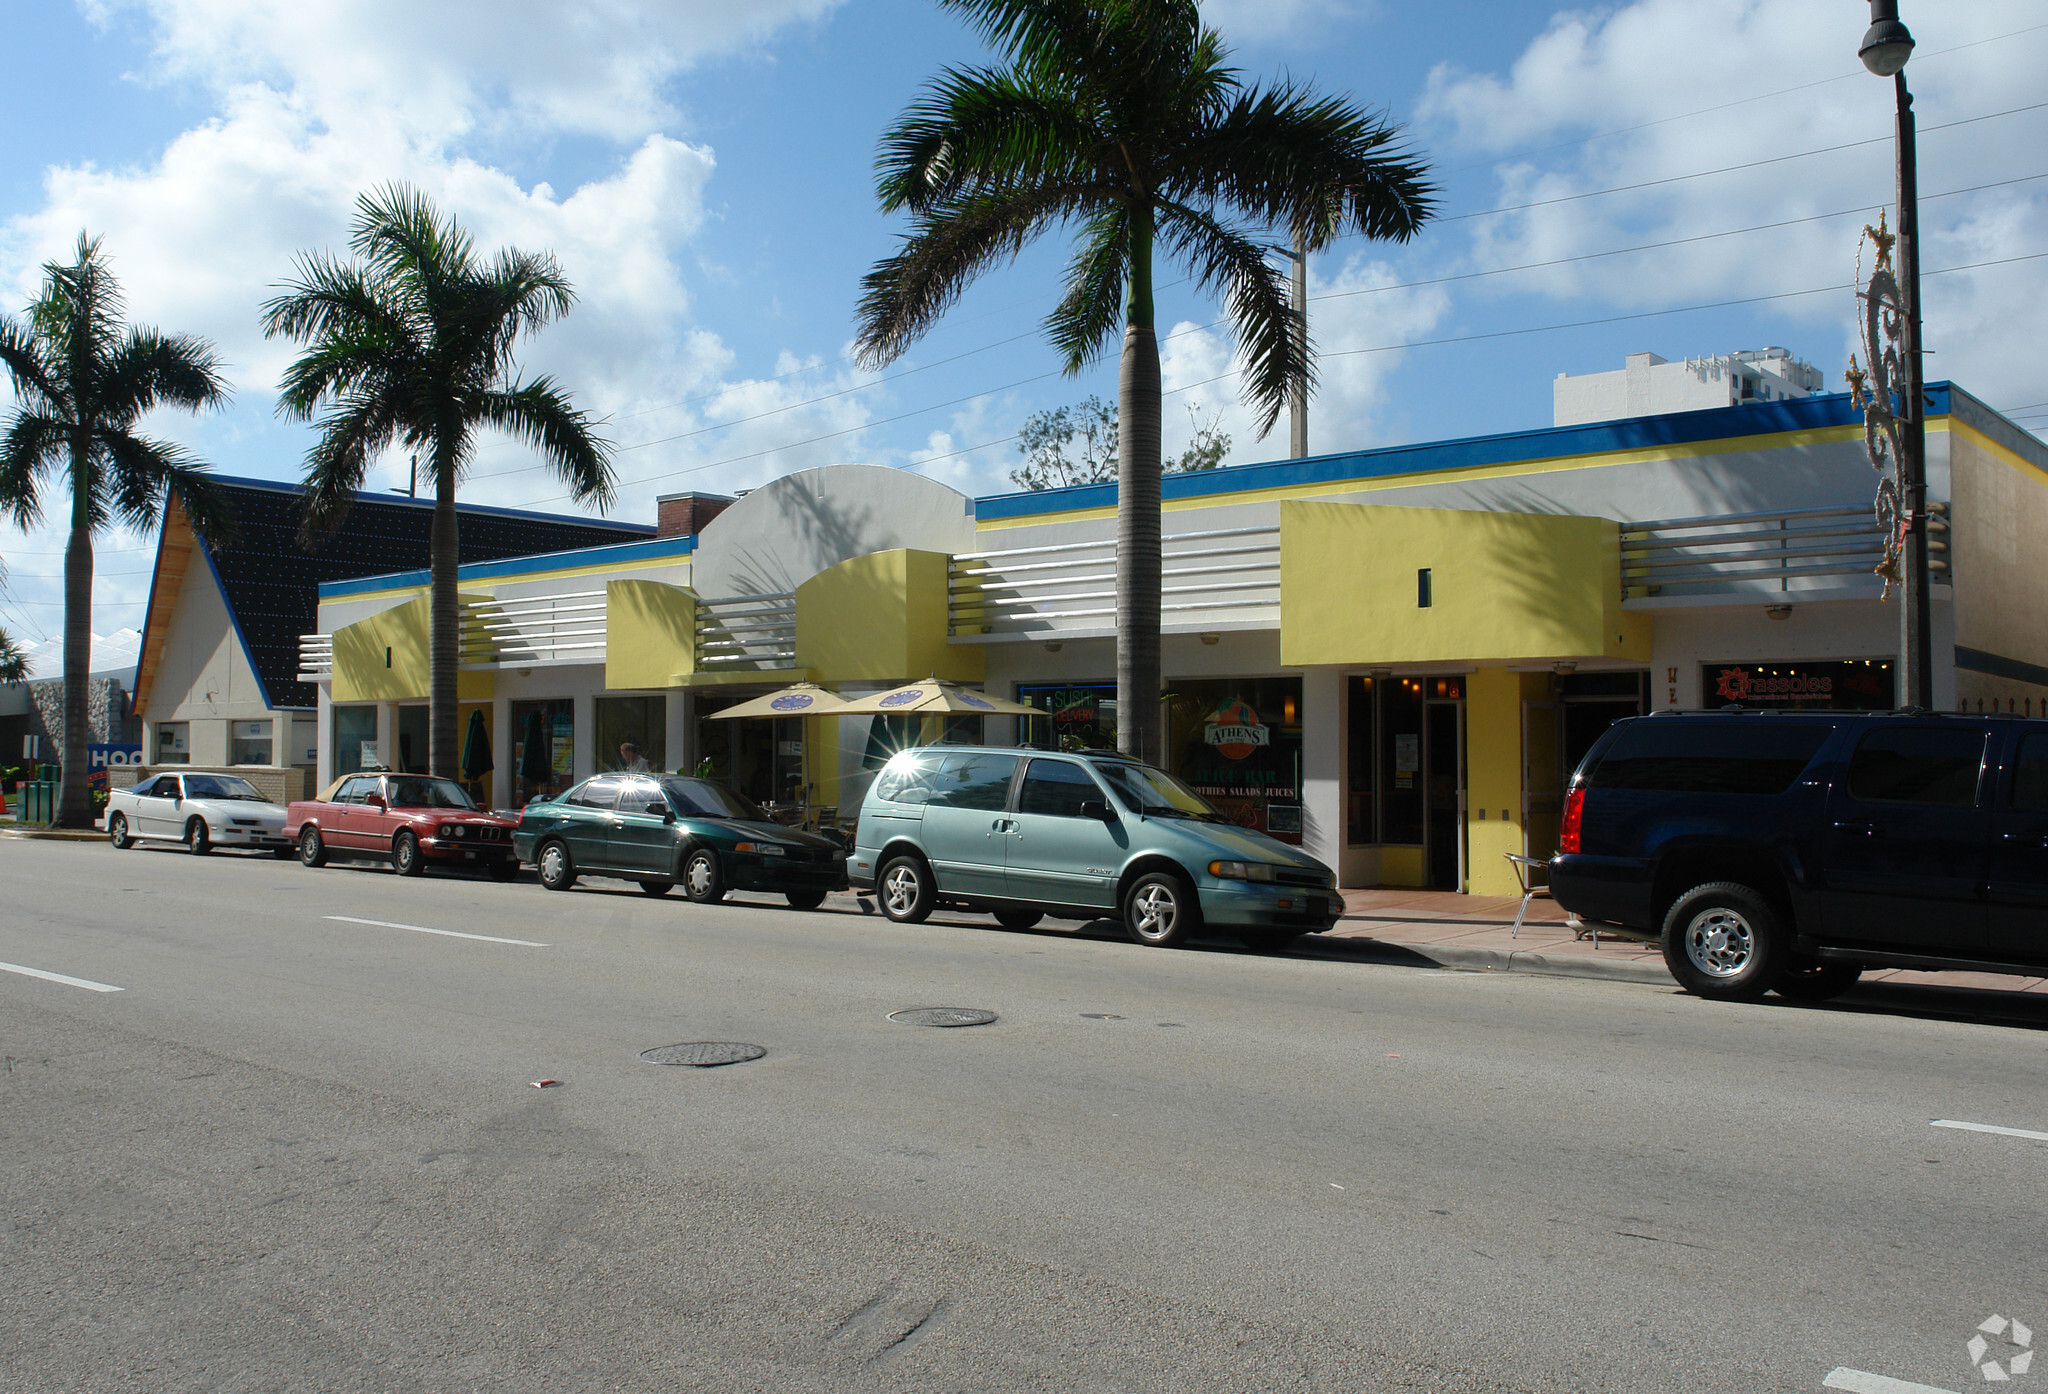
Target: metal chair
[1525,870]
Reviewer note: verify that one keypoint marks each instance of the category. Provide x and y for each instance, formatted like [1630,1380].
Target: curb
[51,834]
[1493,960]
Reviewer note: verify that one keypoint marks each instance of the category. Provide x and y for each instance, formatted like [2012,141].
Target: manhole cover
[943,1016]
[703,1053]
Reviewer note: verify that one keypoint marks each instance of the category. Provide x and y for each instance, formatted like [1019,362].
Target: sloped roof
[272,585]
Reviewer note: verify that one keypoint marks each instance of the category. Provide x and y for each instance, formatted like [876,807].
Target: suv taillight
[1574,809]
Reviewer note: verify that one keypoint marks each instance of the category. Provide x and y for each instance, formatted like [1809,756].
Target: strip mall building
[1393,657]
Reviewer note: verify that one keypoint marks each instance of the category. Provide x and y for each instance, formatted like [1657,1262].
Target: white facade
[1651,386]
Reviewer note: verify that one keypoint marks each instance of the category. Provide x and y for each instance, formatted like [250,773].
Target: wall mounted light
[1778,612]
[1212,639]
[1564,670]
[1053,646]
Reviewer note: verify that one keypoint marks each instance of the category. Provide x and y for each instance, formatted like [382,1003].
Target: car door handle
[1863,829]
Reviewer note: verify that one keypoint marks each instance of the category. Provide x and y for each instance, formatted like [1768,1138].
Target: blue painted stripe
[199,545]
[1999,666]
[652,549]
[1473,452]
[406,501]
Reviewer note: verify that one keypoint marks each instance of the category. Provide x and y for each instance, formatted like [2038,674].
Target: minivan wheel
[905,890]
[1817,982]
[1722,940]
[1160,910]
[1018,919]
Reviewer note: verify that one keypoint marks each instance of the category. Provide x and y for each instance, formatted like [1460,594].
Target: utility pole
[1297,391]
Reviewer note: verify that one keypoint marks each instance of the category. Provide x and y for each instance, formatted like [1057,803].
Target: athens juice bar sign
[1238,744]
[1859,685]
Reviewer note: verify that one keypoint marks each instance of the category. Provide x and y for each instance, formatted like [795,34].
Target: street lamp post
[1886,46]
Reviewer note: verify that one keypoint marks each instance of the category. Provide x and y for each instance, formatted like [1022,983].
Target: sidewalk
[1471,931]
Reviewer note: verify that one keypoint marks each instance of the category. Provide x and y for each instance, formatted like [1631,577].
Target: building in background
[1649,386]
[1392,657]
[217,681]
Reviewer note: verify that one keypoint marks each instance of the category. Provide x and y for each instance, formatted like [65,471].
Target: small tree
[13,662]
[1046,436]
[82,381]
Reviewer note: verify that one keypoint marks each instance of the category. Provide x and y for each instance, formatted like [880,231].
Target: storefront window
[1078,716]
[1861,685]
[173,743]
[1237,742]
[1360,824]
[413,727]
[250,744]
[632,733]
[355,740]
[543,749]
[1400,752]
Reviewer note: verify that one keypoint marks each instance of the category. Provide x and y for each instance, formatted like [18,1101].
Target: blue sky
[703,171]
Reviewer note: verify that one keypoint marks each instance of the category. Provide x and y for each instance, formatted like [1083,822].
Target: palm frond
[351,436]
[138,474]
[977,130]
[361,360]
[21,354]
[543,416]
[33,448]
[1057,34]
[1268,329]
[948,248]
[149,369]
[329,297]
[1089,313]
[403,240]
[13,660]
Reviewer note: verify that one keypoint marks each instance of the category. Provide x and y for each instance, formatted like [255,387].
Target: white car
[203,811]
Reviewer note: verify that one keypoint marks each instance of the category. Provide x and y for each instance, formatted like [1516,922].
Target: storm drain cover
[943,1016]
[703,1053]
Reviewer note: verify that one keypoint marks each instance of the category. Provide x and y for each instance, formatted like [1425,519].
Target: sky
[1657,175]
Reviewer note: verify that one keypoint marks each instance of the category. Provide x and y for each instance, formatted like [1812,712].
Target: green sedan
[666,830]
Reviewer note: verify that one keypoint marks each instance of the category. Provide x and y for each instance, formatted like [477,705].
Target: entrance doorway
[1443,759]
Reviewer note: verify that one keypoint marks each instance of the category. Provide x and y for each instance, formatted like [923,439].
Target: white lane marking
[87,983]
[1862,1382]
[1989,1128]
[422,929]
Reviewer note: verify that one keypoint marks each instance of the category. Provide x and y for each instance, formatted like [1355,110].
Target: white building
[1651,386]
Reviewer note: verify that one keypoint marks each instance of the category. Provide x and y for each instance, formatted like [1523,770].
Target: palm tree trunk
[1137,513]
[74,795]
[444,645]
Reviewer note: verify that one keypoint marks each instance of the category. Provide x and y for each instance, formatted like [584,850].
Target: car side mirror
[375,801]
[662,811]
[1099,811]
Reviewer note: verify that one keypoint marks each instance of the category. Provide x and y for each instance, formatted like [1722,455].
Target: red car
[411,819]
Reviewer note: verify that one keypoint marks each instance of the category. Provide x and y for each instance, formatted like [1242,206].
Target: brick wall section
[680,515]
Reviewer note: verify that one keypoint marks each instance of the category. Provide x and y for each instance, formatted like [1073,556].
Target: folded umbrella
[476,749]
[536,761]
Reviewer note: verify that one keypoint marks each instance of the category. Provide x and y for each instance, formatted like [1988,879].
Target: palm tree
[1122,119]
[13,661]
[82,380]
[412,345]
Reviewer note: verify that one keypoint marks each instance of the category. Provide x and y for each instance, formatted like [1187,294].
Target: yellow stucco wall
[384,658]
[1493,779]
[650,634]
[1504,586]
[880,618]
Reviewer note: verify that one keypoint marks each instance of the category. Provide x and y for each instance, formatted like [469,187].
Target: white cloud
[1630,68]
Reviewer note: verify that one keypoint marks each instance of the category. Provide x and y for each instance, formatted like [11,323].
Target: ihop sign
[101,758]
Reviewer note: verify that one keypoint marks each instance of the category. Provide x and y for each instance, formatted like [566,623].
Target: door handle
[1865,829]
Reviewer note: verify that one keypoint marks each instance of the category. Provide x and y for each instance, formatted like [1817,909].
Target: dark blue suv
[1789,851]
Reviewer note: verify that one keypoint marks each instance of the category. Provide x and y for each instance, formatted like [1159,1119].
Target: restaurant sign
[1848,686]
[1235,730]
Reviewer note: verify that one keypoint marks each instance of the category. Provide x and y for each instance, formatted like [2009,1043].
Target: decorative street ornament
[1879,392]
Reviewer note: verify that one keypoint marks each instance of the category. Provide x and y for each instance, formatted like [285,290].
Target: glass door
[1443,758]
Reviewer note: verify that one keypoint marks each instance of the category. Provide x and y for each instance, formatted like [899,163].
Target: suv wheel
[1722,940]
[1160,910]
[904,887]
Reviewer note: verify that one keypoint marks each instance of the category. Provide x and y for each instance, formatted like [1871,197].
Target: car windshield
[1147,790]
[221,786]
[428,793]
[704,798]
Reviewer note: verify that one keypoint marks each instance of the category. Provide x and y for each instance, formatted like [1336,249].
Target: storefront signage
[1860,685]
[100,758]
[1235,730]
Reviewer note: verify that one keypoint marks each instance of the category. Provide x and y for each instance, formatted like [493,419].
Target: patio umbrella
[536,762]
[802,699]
[934,698]
[476,749]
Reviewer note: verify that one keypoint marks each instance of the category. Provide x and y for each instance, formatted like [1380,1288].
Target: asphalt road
[304,1152]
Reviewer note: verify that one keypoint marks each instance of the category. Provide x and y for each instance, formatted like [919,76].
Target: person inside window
[630,761]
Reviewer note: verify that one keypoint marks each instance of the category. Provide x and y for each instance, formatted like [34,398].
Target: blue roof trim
[235,622]
[619,553]
[1472,452]
[406,500]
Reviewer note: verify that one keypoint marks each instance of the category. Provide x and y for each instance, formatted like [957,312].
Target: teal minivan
[1024,834]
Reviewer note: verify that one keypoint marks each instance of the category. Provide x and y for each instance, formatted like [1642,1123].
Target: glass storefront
[1361,811]
[1237,741]
[632,733]
[1078,716]
[543,749]
[355,740]
[413,727]
[249,743]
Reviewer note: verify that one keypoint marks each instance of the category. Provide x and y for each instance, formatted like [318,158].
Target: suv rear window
[1745,756]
